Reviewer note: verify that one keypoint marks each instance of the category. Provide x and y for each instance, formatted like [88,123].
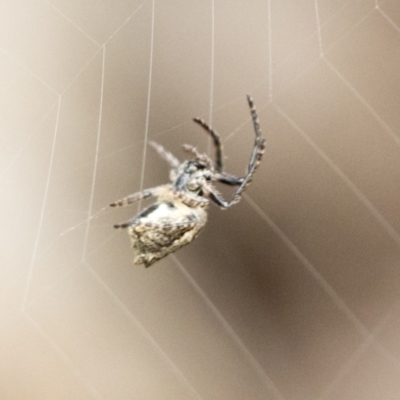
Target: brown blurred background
[291,295]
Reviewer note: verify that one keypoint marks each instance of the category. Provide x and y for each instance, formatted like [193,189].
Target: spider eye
[200,165]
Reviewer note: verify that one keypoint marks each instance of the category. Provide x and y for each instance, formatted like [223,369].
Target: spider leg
[166,155]
[163,226]
[144,194]
[217,143]
[124,225]
[255,159]
[191,150]
[218,200]
[140,226]
[259,145]
[228,179]
[191,201]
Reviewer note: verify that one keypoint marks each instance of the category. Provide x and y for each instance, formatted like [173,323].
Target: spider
[180,212]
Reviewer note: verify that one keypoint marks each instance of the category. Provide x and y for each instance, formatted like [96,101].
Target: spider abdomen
[163,228]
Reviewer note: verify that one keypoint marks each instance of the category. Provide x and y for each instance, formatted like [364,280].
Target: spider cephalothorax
[180,212]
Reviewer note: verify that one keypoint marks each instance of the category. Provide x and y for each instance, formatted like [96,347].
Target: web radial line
[145,333]
[212,66]
[82,69]
[212,59]
[95,248]
[321,52]
[364,102]
[364,200]
[19,152]
[311,269]
[356,356]
[60,353]
[46,191]
[96,157]
[353,27]
[387,18]
[313,63]
[238,128]
[72,23]
[146,132]
[288,58]
[300,48]
[269,384]
[270,72]
[30,72]
[125,22]
[60,279]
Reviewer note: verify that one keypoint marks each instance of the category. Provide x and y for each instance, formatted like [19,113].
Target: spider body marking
[180,212]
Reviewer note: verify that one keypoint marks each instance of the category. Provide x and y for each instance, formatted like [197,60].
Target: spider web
[293,293]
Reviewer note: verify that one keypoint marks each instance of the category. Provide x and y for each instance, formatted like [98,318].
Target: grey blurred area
[293,294]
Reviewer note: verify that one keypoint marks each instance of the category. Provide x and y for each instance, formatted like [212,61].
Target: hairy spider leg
[260,142]
[228,179]
[137,225]
[188,148]
[166,155]
[191,200]
[255,159]
[217,143]
[142,226]
[144,194]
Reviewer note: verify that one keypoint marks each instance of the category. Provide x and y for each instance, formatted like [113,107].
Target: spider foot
[122,226]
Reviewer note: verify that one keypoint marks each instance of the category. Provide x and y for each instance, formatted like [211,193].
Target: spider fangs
[180,212]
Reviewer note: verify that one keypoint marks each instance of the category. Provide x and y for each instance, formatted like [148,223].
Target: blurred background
[293,294]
